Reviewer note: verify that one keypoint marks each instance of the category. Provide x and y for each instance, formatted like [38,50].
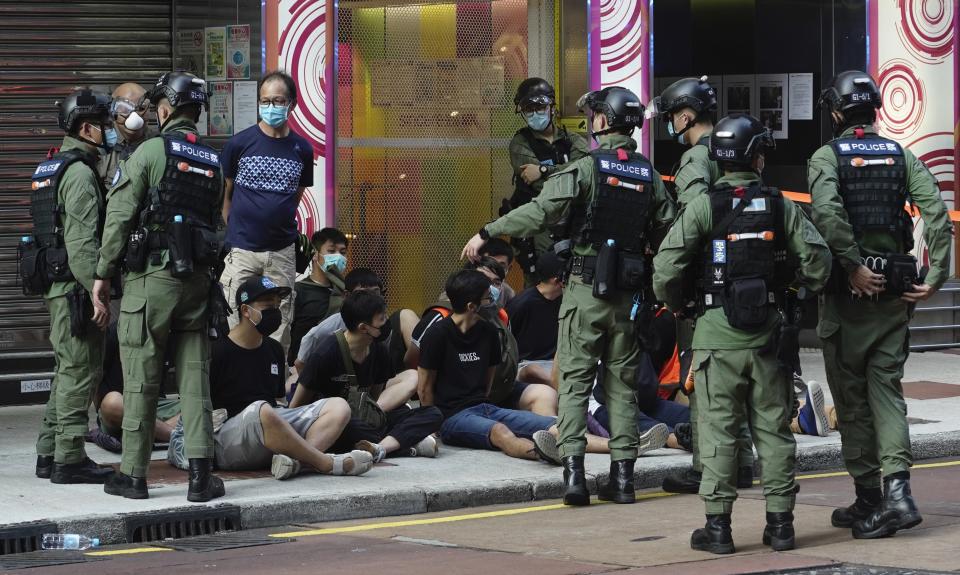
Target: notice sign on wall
[238,52]
[190,51]
[215,53]
[221,108]
[773,98]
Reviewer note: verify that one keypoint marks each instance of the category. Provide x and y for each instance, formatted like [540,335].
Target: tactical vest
[548,154]
[620,206]
[190,186]
[873,184]
[752,246]
[45,208]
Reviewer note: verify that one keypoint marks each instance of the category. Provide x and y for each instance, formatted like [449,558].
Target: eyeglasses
[533,108]
[279,101]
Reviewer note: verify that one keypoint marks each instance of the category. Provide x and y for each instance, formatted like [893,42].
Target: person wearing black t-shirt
[458,357]
[355,361]
[247,375]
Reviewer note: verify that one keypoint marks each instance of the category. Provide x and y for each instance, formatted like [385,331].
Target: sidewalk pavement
[457,478]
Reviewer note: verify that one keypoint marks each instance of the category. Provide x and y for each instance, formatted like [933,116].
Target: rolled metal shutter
[46,50]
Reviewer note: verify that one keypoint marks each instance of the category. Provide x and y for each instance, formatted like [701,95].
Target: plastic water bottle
[69,541]
[26,240]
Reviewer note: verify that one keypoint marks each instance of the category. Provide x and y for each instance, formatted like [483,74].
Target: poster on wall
[190,51]
[801,96]
[773,98]
[244,105]
[238,52]
[215,40]
[739,95]
[221,108]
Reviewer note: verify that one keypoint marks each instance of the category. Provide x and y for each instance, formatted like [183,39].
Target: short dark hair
[860,116]
[497,247]
[283,77]
[361,307]
[489,263]
[466,287]
[549,266]
[361,277]
[328,234]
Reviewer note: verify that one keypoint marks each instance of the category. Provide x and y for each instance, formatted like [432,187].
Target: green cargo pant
[153,307]
[736,386]
[865,344]
[79,369]
[744,443]
[592,330]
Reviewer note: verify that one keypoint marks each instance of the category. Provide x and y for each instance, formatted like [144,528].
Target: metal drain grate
[180,523]
[42,559]
[854,569]
[221,541]
[24,537]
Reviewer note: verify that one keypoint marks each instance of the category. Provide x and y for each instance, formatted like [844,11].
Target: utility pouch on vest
[901,273]
[56,263]
[206,247]
[788,348]
[631,271]
[81,310]
[218,312]
[138,249]
[33,273]
[605,275]
[180,238]
[745,304]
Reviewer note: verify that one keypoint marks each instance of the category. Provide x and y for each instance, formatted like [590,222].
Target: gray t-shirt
[317,334]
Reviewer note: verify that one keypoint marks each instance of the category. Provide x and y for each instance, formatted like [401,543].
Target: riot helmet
[694,93]
[738,139]
[84,105]
[621,106]
[855,95]
[534,93]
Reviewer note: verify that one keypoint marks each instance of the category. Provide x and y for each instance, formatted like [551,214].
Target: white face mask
[133,122]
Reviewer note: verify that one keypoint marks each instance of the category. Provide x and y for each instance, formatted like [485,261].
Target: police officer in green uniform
[539,149]
[687,107]
[859,182]
[616,209]
[58,262]
[737,239]
[162,214]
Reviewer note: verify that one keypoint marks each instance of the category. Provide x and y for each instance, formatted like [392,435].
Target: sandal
[362,463]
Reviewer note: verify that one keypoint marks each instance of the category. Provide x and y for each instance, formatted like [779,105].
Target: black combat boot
[745,477]
[688,482]
[715,537]
[779,532]
[868,500]
[204,485]
[44,466]
[575,481]
[126,486]
[84,472]
[897,511]
[619,487]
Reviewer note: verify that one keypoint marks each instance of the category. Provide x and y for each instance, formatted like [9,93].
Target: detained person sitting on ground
[535,321]
[501,250]
[320,294]
[246,377]
[506,391]
[354,364]
[109,401]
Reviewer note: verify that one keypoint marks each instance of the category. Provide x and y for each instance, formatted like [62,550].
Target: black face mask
[270,320]
[385,330]
[489,312]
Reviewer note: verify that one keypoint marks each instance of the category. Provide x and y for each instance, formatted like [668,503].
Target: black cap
[549,266]
[851,89]
[621,106]
[84,104]
[534,91]
[737,138]
[180,89]
[256,287]
[695,93]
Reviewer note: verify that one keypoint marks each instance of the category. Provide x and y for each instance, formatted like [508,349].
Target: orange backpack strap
[444,312]
[504,316]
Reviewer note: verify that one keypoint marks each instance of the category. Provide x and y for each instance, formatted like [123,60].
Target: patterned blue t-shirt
[266,174]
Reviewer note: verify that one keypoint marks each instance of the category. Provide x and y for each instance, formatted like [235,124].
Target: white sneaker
[427,447]
[815,396]
[653,438]
[284,467]
[376,451]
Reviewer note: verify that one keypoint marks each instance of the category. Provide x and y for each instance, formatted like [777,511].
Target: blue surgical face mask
[675,134]
[538,121]
[495,293]
[336,261]
[274,116]
[109,138]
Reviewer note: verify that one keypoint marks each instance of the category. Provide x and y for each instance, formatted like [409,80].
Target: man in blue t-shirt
[266,169]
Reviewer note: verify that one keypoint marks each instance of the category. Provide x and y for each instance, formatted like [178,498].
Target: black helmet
[534,91]
[180,89]
[621,106]
[695,93]
[738,138]
[83,104]
[851,89]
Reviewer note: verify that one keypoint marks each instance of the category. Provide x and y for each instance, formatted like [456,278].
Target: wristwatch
[484,234]
[543,169]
